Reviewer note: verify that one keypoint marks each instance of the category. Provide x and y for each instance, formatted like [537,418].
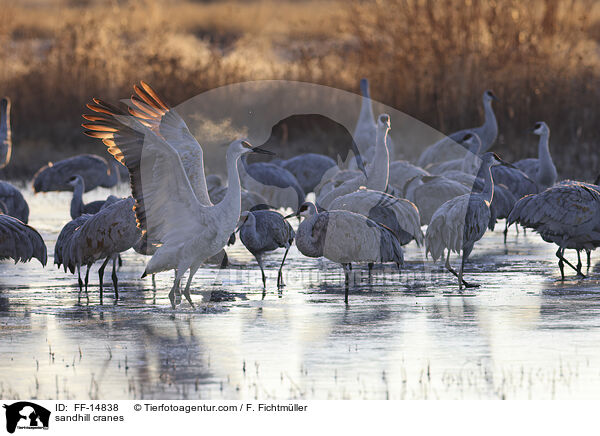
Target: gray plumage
[78,207]
[262,231]
[345,237]
[62,248]
[103,236]
[308,169]
[540,169]
[95,170]
[447,149]
[5,132]
[20,242]
[249,199]
[399,215]
[401,172]
[428,193]
[376,176]
[567,214]
[517,182]
[14,202]
[276,184]
[460,222]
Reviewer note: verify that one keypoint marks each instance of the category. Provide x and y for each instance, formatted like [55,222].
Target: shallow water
[522,334]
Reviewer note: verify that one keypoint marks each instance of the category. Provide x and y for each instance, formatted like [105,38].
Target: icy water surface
[522,334]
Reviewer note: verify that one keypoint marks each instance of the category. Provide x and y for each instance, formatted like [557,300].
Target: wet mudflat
[522,334]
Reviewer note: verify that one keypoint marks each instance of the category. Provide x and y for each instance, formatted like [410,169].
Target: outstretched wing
[166,206]
[148,108]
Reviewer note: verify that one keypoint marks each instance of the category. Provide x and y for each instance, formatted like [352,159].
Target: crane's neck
[77,200]
[379,168]
[231,205]
[489,129]
[308,243]
[547,171]
[5,132]
[366,108]
[199,184]
[471,162]
[488,187]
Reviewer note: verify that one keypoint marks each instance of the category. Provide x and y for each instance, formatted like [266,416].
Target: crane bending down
[345,237]
[462,221]
[95,170]
[262,231]
[567,214]
[165,184]
[20,242]
[15,203]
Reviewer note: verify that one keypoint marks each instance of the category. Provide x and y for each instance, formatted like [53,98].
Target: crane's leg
[561,261]
[579,264]
[262,270]
[505,230]
[280,273]
[347,268]
[154,281]
[114,277]
[87,276]
[463,282]
[370,267]
[589,258]
[186,291]
[120,261]
[175,288]
[101,277]
[79,279]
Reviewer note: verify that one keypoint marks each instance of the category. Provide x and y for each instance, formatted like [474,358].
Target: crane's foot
[471,285]
[280,283]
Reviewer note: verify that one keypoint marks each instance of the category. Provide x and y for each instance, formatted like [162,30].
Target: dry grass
[431,59]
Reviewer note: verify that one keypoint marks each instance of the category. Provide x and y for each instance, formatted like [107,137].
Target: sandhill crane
[540,169]
[345,237]
[104,235]
[5,132]
[401,172]
[377,171]
[95,170]
[462,221]
[366,128]
[15,203]
[262,231]
[166,205]
[274,183]
[446,149]
[567,214]
[399,215]
[517,182]
[468,164]
[249,199]
[78,207]
[62,248]
[20,242]
[428,193]
[308,168]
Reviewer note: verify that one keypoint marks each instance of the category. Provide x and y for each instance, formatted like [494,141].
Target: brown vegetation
[430,59]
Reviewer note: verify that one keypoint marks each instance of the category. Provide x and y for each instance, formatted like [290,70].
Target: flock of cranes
[364,213]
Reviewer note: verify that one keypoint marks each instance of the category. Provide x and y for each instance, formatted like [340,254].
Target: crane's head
[489,96]
[75,180]
[492,159]
[471,142]
[540,128]
[306,209]
[384,121]
[242,146]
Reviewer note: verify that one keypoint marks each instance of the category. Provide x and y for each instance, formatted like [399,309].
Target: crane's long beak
[293,214]
[262,151]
